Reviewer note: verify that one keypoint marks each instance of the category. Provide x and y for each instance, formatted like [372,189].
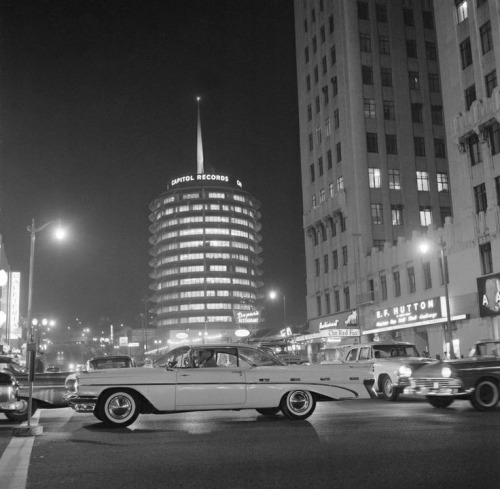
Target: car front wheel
[486,395]
[440,402]
[22,414]
[298,404]
[117,409]
[389,392]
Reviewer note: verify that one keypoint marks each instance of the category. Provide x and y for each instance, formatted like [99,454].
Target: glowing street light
[273,295]
[425,247]
[59,235]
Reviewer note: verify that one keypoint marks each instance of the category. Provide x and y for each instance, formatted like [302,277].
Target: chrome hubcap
[299,402]
[119,407]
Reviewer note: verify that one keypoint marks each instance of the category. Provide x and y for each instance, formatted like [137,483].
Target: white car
[392,362]
[216,377]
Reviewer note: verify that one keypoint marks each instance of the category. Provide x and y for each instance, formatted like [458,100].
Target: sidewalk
[15,458]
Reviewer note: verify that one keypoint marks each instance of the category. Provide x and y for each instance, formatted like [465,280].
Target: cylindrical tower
[205,247]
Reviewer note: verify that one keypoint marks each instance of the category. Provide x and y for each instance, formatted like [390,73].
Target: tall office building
[372,140]
[205,247]
[468,33]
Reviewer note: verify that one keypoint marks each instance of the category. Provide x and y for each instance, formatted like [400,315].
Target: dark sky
[98,112]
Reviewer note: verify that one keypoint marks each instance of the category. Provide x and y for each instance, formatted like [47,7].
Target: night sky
[98,113]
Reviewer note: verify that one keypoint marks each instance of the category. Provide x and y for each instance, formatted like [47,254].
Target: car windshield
[258,358]
[102,363]
[388,351]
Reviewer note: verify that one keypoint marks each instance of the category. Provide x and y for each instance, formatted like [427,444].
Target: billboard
[488,292]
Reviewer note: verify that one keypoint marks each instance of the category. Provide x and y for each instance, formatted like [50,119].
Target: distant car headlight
[404,371]
[446,372]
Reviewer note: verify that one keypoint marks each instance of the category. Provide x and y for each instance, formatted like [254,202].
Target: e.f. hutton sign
[413,312]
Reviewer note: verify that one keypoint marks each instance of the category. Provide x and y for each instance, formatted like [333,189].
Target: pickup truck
[475,378]
[393,363]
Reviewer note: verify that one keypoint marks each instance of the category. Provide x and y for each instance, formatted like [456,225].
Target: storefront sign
[338,321]
[330,333]
[413,312]
[488,292]
[247,317]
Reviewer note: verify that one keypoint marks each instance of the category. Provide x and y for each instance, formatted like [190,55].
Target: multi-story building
[372,139]
[205,246]
[468,34]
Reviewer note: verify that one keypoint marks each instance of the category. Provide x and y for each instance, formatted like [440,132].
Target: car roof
[111,357]
[385,342]
[219,345]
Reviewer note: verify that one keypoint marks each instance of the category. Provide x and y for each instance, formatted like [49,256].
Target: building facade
[205,247]
[373,144]
[468,35]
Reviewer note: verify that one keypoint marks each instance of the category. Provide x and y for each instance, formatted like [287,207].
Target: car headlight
[404,371]
[446,372]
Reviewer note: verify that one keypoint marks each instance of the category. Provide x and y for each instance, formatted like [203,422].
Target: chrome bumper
[12,406]
[82,404]
[437,387]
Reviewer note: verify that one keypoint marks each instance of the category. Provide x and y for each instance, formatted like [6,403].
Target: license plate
[435,385]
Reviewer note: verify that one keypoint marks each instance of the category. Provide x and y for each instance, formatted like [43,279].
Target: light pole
[273,295]
[424,247]
[31,346]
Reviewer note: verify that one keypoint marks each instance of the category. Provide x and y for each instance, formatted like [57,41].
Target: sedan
[48,389]
[476,378]
[216,377]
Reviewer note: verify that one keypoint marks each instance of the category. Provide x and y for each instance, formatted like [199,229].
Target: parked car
[48,388]
[215,377]
[9,393]
[101,363]
[476,378]
[111,361]
[392,363]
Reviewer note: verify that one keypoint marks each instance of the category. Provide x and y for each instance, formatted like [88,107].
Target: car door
[358,359]
[222,386]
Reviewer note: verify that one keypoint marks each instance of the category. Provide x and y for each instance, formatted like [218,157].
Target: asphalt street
[349,444]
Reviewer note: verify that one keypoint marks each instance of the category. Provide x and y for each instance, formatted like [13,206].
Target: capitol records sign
[488,292]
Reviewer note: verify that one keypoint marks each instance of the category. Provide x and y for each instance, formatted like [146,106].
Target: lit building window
[442,181]
[462,13]
[425,216]
[374,177]
[369,105]
[397,215]
[394,179]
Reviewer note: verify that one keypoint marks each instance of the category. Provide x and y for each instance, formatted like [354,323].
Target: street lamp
[31,347]
[424,248]
[273,295]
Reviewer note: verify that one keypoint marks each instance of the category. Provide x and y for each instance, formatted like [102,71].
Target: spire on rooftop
[199,145]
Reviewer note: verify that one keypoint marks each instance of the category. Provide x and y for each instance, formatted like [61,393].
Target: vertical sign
[15,293]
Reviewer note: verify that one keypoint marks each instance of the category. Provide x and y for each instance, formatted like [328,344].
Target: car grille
[438,383]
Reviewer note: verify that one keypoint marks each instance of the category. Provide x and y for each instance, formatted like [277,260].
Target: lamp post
[273,295]
[31,347]
[424,247]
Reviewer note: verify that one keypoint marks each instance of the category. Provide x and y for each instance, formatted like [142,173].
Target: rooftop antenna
[199,145]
